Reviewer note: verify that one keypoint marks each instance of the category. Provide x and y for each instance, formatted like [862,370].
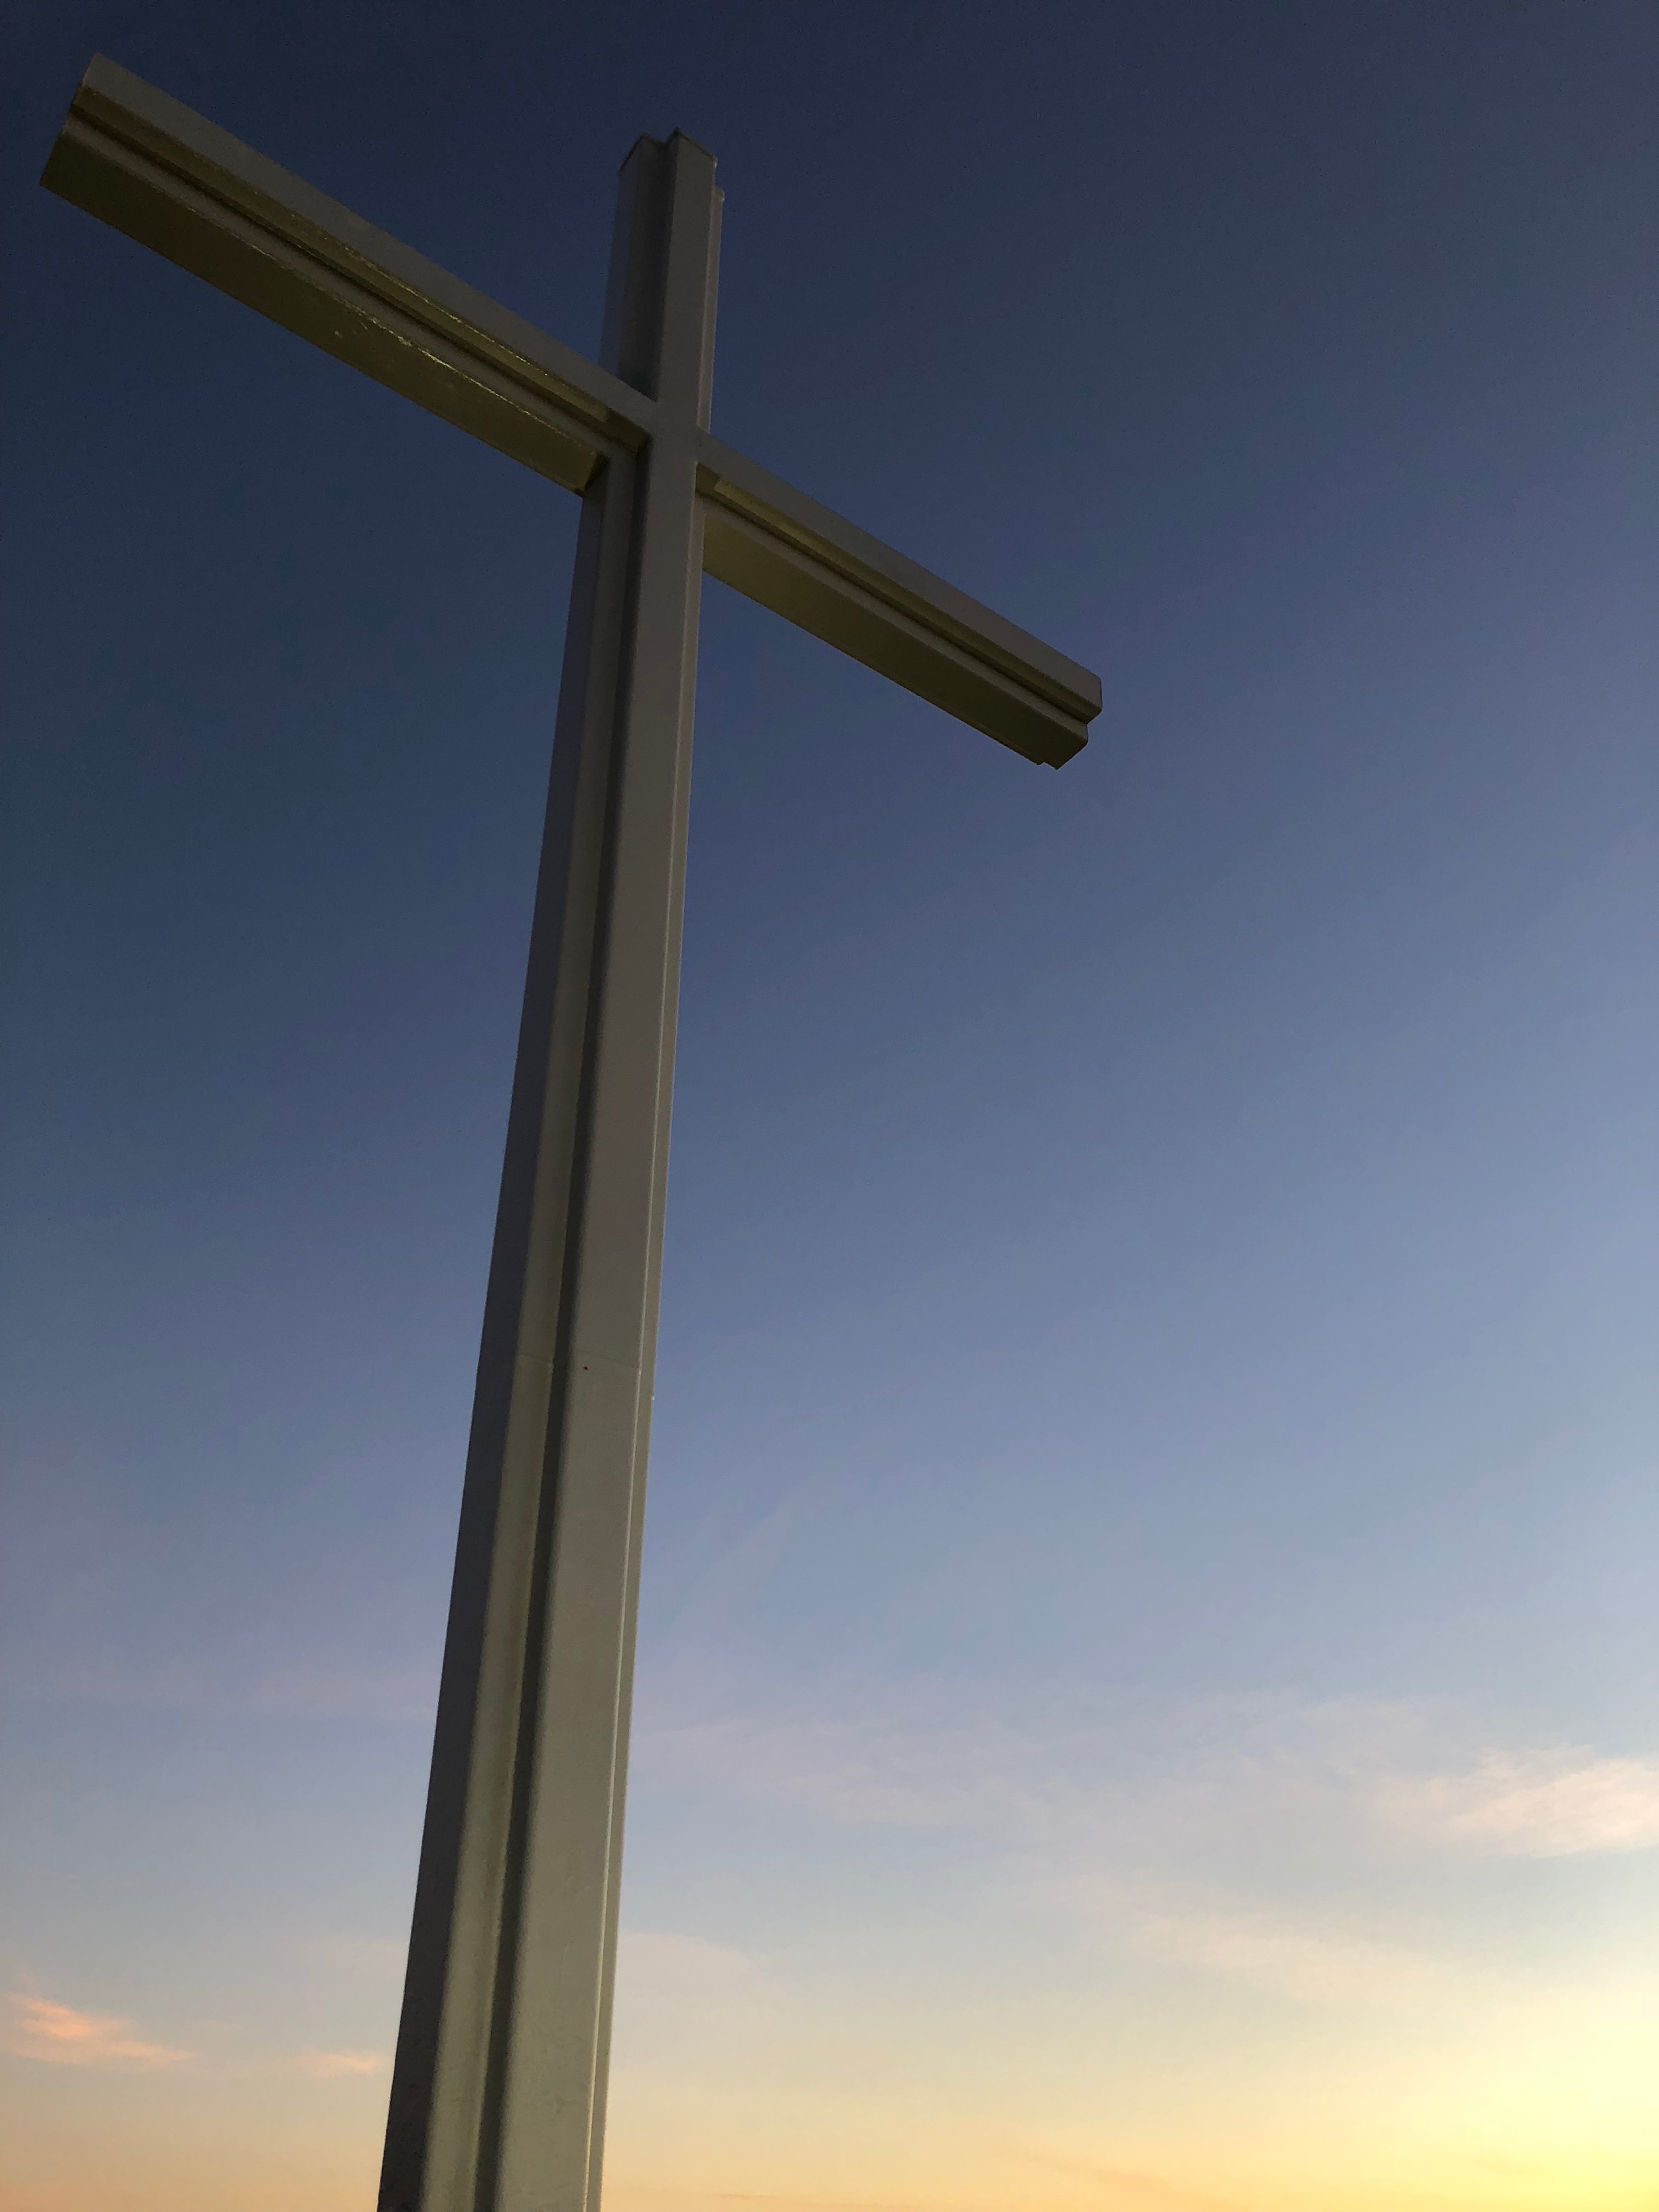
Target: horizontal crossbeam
[152,167]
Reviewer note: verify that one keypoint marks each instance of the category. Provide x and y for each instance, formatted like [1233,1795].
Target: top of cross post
[659,331]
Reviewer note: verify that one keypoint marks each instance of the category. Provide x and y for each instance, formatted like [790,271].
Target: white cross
[498,2087]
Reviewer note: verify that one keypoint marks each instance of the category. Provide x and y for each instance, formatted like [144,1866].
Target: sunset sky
[1149,1670]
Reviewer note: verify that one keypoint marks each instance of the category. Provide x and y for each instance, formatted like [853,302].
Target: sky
[1147,1688]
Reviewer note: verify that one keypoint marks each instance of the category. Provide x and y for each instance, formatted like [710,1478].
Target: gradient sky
[1148,1659]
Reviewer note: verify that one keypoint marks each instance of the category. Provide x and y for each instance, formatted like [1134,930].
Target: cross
[498,2084]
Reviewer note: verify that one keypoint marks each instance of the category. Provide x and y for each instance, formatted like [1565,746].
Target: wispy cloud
[1310,1964]
[678,1991]
[1400,1770]
[901,1769]
[1543,1803]
[61,2036]
[1305,1850]
[341,2065]
[660,1959]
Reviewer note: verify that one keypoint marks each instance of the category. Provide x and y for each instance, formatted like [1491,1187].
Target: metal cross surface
[498,2086]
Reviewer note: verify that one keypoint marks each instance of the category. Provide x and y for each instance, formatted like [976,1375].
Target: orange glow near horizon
[1543,2105]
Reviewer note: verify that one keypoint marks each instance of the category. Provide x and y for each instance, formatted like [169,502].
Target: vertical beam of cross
[498,2087]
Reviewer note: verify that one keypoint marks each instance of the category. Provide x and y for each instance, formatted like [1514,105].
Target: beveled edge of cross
[154,169]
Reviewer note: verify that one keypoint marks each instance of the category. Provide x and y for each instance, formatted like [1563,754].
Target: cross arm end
[152,167]
[777,546]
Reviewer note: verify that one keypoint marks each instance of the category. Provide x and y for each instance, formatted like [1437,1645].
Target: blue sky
[1146,1629]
